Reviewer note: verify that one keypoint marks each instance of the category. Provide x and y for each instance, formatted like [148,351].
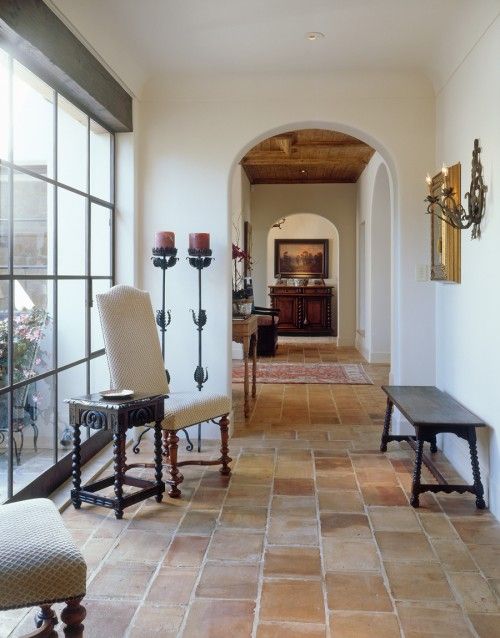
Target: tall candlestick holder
[200,259]
[163,258]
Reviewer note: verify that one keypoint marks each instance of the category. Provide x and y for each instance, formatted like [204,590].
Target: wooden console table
[245,332]
[433,412]
[305,310]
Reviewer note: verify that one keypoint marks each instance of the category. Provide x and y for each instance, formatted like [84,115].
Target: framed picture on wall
[301,258]
[445,240]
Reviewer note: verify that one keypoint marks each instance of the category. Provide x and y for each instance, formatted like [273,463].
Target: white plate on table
[117,394]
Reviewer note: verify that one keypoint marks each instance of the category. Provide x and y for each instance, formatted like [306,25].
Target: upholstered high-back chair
[135,362]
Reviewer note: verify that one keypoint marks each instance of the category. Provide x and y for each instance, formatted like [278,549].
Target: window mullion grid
[55,286]
[11,300]
[88,256]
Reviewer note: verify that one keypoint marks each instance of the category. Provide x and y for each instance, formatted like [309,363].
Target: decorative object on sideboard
[452,212]
[301,258]
[445,239]
[200,257]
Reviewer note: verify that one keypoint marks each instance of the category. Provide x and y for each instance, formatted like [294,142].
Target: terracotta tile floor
[313,535]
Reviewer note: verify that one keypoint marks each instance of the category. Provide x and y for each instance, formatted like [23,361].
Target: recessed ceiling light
[315,35]
[303,170]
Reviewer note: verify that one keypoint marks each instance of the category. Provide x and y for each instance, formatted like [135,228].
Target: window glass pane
[71,145]
[72,383]
[99,375]
[96,340]
[100,235]
[100,162]
[4,220]
[4,332]
[70,321]
[33,120]
[33,201]
[71,249]
[4,447]
[33,431]
[33,328]
[4,105]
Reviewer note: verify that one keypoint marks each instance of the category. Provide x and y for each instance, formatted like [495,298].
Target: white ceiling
[145,39]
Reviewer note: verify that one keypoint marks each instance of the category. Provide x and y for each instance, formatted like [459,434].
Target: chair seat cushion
[39,561]
[183,409]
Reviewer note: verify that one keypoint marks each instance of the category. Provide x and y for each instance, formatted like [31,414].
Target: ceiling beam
[36,37]
[298,161]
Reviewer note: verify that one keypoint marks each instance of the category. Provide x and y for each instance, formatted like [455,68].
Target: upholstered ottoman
[41,565]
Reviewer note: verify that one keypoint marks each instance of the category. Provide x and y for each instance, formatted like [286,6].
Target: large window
[56,253]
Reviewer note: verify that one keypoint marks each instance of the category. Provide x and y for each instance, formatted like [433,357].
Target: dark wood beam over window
[35,36]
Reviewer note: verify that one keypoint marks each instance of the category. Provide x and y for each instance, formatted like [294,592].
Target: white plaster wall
[373,338]
[334,204]
[192,137]
[468,339]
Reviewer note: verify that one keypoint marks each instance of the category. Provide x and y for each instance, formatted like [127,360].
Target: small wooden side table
[245,332]
[119,416]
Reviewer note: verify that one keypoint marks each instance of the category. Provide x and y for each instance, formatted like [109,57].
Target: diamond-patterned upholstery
[39,561]
[135,362]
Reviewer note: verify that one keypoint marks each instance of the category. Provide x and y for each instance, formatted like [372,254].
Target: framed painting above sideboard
[301,258]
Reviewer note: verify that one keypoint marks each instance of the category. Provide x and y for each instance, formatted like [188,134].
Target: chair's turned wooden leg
[174,470]
[434,447]
[158,463]
[165,444]
[73,616]
[225,459]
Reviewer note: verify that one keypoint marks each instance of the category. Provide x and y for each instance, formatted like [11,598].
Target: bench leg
[478,486]
[73,616]
[417,470]
[387,426]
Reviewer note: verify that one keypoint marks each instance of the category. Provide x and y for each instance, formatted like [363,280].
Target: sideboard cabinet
[305,310]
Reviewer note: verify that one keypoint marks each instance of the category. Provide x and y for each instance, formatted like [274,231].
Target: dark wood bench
[432,412]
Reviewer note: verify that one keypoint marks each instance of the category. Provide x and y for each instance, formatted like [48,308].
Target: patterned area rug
[338,373]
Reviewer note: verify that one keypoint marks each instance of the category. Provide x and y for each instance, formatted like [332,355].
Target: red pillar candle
[199,241]
[165,239]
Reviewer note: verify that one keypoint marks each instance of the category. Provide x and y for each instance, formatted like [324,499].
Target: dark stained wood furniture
[119,416]
[267,330]
[305,310]
[433,412]
[245,332]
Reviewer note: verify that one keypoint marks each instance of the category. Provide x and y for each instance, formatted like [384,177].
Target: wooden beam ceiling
[307,156]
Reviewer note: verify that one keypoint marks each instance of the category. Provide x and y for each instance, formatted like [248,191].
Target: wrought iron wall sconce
[455,214]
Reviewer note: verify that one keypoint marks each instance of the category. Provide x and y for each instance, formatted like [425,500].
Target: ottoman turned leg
[73,616]
[45,620]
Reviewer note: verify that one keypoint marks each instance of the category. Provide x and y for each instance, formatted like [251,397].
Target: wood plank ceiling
[313,156]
